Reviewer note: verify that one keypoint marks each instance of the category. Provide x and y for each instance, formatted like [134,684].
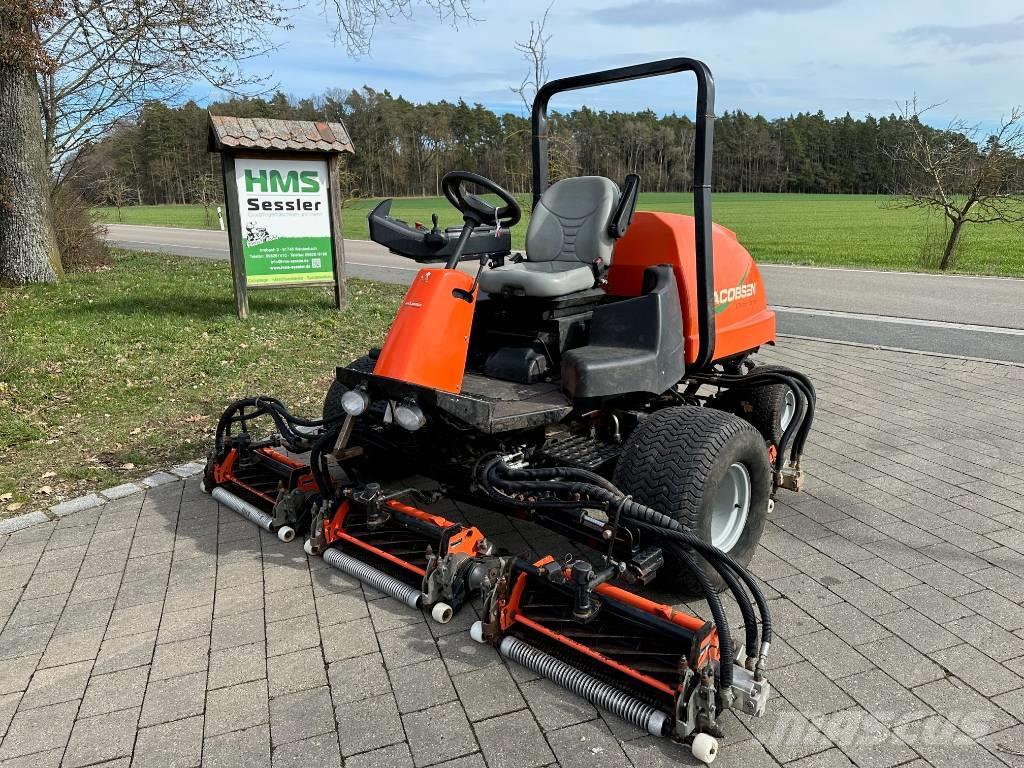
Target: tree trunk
[950,250]
[28,243]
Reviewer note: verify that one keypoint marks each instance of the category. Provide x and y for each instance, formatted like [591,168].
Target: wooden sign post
[283,203]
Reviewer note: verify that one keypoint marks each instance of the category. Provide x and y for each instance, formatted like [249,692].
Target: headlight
[409,416]
[355,402]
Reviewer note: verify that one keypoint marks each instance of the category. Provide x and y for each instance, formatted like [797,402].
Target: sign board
[283,203]
[286,220]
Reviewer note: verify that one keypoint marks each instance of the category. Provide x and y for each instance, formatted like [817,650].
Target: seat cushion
[570,221]
[542,279]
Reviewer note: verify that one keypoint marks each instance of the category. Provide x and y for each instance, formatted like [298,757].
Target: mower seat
[567,243]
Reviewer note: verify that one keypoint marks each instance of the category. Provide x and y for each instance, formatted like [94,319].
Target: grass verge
[109,375]
[815,230]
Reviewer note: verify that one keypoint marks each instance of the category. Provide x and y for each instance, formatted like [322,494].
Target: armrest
[427,246]
[623,213]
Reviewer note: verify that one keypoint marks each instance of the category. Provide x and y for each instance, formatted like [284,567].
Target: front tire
[332,400]
[709,471]
[374,463]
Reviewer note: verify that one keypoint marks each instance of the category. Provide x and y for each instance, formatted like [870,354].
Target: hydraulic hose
[725,649]
[543,473]
[725,569]
[688,538]
[796,381]
[732,573]
[283,419]
[654,521]
[749,619]
[799,425]
[665,525]
[317,465]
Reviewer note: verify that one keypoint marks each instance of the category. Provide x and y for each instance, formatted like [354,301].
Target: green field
[820,230]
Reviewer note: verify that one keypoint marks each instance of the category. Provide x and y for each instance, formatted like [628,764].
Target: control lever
[435,238]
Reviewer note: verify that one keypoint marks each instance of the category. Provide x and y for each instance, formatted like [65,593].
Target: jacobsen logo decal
[727,296]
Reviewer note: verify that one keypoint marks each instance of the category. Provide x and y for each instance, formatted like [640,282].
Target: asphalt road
[962,316]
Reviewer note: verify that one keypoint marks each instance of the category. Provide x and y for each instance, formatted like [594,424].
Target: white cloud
[771,56]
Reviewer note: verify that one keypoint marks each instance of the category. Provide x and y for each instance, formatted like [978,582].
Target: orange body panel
[419,514]
[742,318]
[429,339]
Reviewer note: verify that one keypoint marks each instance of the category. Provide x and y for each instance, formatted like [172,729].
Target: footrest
[581,452]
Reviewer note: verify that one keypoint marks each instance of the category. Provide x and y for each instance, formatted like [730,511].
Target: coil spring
[243,508]
[373,577]
[597,692]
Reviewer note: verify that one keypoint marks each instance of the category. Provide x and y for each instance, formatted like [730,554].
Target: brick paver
[157,629]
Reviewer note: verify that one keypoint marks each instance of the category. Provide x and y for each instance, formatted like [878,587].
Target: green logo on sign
[293,181]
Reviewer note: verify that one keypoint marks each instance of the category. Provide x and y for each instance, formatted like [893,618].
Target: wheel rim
[788,410]
[731,507]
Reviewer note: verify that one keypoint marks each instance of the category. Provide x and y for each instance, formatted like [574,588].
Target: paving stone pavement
[159,630]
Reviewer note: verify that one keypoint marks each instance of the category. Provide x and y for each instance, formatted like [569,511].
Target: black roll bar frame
[702,163]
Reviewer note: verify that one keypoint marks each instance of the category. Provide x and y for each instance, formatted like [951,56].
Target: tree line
[404,148]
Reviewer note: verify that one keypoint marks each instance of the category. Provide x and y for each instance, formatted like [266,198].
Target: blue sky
[769,56]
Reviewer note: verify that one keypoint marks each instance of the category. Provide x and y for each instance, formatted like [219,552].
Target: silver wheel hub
[730,508]
[788,410]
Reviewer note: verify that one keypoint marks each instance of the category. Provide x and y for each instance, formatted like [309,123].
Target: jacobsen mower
[601,385]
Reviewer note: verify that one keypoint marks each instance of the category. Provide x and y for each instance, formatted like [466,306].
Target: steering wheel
[470,205]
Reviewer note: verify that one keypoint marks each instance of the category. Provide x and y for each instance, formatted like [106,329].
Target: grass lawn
[111,374]
[821,230]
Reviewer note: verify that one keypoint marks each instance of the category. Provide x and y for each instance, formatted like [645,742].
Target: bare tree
[115,191]
[70,69]
[968,178]
[534,51]
[111,56]
[563,160]
[206,190]
[356,20]
[348,184]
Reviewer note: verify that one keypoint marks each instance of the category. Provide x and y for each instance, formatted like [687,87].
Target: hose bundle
[241,412]
[795,436]
[569,488]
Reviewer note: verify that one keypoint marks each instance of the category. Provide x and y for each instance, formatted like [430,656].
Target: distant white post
[220,218]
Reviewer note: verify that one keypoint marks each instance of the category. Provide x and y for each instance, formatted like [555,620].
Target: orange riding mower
[659,668]
[601,384]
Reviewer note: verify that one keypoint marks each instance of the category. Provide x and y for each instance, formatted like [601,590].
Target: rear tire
[691,464]
[768,408]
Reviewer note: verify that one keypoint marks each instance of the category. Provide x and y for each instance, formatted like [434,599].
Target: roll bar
[701,170]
